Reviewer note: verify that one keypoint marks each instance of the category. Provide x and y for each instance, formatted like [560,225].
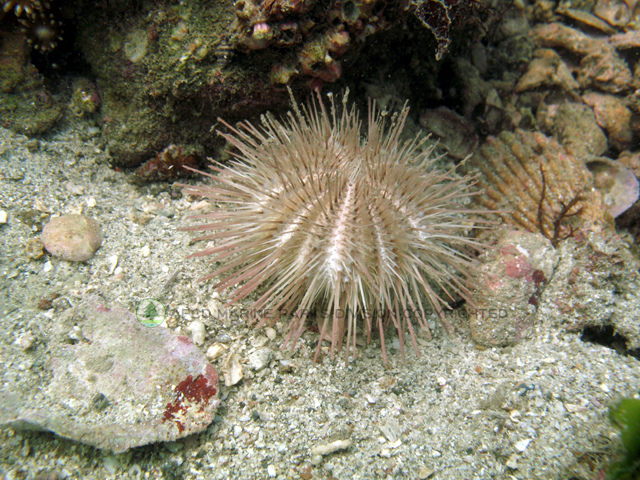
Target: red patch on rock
[518,267]
[540,280]
[183,339]
[197,392]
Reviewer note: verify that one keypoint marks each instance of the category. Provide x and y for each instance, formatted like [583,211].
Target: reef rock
[514,275]
[547,69]
[588,285]
[26,104]
[613,115]
[575,126]
[108,381]
[595,289]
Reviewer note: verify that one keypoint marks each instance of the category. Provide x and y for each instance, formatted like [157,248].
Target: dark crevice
[606,336]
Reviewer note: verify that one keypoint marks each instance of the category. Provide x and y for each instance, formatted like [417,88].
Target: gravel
[534,410]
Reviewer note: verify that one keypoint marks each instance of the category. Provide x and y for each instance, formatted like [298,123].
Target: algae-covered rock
[162,78]
[26,105]
[108,381]
[514,275]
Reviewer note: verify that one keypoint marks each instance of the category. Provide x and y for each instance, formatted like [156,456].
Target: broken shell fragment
[618,185]
[216,350]
[232,370]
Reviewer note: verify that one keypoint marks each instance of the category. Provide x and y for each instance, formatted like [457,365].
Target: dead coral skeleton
[536,185]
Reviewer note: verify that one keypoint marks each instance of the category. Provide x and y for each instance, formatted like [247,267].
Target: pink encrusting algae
[318,218]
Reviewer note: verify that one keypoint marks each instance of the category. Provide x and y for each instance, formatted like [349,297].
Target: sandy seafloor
[534,410]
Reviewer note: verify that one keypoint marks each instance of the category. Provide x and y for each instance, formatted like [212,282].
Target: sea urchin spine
[360,228]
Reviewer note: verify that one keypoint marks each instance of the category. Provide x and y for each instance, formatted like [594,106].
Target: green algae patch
[626,416]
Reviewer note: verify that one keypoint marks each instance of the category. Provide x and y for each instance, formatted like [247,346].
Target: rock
[425,472]
[456,135]
[198,332]
[613,115]
[512,462]
[271,333]
[26,340]
[515,274]
[522,445]
[391,429]
[600,66]
[328,448]
[72,237]
[548,69]
[118,385]
[575,127]
[260,358]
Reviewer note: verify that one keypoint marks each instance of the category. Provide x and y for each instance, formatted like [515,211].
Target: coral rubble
[600,66]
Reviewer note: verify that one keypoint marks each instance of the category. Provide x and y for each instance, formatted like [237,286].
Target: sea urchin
[355,229]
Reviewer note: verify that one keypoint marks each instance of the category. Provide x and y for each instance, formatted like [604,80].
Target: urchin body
[355,229]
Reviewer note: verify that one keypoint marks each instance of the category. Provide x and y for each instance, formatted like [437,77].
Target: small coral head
[355,230]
